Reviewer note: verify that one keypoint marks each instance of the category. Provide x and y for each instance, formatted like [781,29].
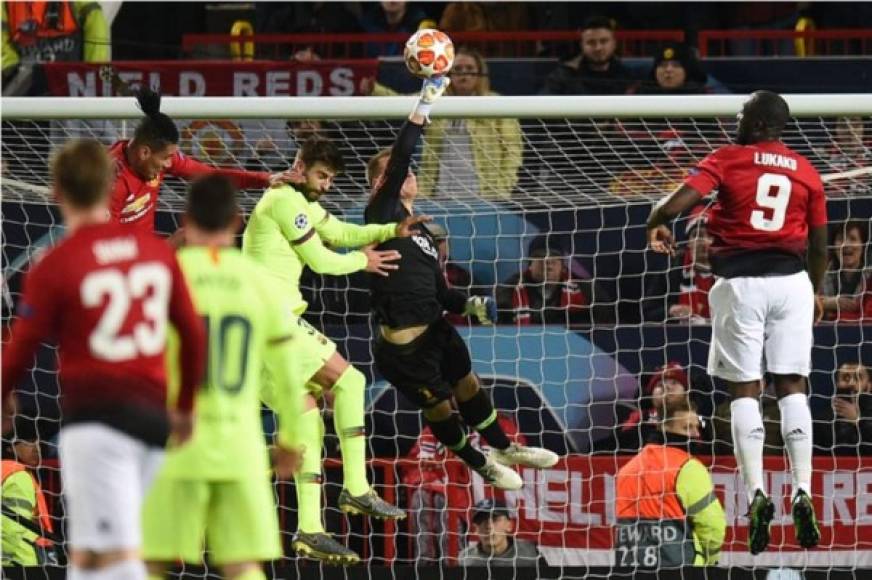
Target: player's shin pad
[349,419]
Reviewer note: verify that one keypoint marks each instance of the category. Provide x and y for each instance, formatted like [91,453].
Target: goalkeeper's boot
[321,546]
[516,454]
[500,476]
[369,504]
[761,512]
[808,534]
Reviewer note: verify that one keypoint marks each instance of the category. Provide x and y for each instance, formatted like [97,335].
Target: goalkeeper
[285,233]
[418,351]
[217,487]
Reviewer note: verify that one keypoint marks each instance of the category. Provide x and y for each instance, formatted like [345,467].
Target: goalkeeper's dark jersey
[416,293]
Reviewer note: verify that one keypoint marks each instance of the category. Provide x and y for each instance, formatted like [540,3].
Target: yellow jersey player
[285,233]
[216,488]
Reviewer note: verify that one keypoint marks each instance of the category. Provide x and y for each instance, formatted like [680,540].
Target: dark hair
[842,228]
[157,130]
[768,110]
[598,21]
[212,203]
[82,172]
[317,148]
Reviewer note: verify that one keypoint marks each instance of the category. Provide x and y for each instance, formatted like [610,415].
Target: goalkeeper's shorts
[426,369]
[237,520]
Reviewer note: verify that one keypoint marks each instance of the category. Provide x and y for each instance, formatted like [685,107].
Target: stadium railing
[845,41]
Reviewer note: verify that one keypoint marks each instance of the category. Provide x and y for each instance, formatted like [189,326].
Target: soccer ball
[429,53]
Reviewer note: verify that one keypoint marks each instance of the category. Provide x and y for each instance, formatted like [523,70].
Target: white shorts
[105,475]
[761,324]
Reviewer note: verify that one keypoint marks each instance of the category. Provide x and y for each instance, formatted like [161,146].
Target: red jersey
[695,287]
[134,200]
[768,198]
[105,295]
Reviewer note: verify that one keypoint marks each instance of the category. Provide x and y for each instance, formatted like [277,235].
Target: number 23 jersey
[768,198]
[105,295]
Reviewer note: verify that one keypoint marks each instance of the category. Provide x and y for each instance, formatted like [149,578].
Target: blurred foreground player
[106,293]
[286,232]
[769,220]
[417,350]
[667,513]
[142,162]
[216,489]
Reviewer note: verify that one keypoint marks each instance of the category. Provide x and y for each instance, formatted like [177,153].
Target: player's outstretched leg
[448,429]
[478,412]
[357,496]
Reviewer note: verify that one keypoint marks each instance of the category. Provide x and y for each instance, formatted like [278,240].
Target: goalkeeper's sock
[450,433]
[748,435]
[309,433]
[796,430]
[479,413]
[349,422]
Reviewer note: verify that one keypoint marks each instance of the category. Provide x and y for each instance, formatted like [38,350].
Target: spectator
[26,518]
[35,32]
[428,484]
[849,150]
[676,71]
[494,527]
[387,16]
[311,18]
[455,276]
[597,70]
[668,384]
[696,274]
[845,427]
[464,157]
[847,289]
[544,293]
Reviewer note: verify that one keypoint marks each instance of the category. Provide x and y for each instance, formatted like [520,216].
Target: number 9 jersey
[768,198]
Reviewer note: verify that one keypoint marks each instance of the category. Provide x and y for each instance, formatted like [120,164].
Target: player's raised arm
[387,190]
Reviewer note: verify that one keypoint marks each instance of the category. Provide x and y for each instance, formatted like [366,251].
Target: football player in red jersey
[769,220]
[106,294]
[153,152]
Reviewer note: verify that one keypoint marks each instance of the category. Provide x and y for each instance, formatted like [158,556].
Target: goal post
[568,178]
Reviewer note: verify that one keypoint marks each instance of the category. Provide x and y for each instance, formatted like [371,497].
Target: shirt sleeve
[192,338]
[37,316]
[451,299]
[817,202]
[189,168]
[707,176]
[696,492]
[340,234]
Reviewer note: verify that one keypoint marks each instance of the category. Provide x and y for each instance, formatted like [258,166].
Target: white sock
[796,430]
[124,570]
[748,436]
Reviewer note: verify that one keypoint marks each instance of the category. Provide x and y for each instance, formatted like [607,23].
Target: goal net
[543,201]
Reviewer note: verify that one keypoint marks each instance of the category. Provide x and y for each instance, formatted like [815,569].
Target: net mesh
[573,379]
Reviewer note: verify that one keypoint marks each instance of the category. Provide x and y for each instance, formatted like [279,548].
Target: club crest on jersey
[426,247]
[301,222]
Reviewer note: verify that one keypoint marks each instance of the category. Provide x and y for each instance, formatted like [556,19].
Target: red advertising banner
[192,78]
[568,510]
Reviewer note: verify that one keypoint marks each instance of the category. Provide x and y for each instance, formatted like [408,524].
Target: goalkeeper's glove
[431,90]
[483,308]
